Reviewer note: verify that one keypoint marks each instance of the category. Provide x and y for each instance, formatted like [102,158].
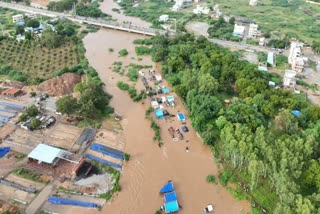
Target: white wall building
[253,2]
[17,18]
[238,30]
[294,57]
[201,10]
[262,41]
[253,31]
[271,59]
[289,78]
[164,18]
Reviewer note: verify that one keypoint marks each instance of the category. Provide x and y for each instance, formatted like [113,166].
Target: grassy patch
[157,132]
[27,174]
[211,179]
[296,18]
[123,52]
[117,67]
[141,50]
[133,75]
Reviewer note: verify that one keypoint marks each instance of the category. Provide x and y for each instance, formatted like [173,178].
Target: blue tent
[4,151]
[170,98]
[181,117]
[171,196]
[168,187]
[171,207]
[165,90]
[159,113]
[296,112]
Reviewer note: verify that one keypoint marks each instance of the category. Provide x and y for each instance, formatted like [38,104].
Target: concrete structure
[217,11]
[271,59]
[17,18]
[262,41]
[238,30]
[253,31]
[253,2]
[30,15]
[164,18]
[289,78]
[201,10]
[294,58]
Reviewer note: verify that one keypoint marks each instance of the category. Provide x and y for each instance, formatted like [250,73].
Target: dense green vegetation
[297,19]
[222,30]
[256,137]
[27,174]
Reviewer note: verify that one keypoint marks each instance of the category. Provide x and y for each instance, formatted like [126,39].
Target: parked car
[184,128]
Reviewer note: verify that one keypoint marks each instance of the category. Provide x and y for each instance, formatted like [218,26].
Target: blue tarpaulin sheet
[107,151]
[171,207]
[181,117]
[168,187]
[8,111]
[4,151]
[12,105]
[92,157]
[5,117]
[172,196]
[57,200]
[159,113]
[1,122]
[296,112]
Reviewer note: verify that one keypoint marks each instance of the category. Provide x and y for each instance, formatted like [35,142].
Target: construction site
[54,166]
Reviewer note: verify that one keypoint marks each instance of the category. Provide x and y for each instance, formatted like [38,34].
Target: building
[294,58]
[17,18]
[163,18]
[271,60]
[30,15]
[11,92]
[253,31]
[201,10]
[289,78]
[262,41]
[238,30]
[253,2]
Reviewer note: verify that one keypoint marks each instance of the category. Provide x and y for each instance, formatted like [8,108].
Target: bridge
[85,20]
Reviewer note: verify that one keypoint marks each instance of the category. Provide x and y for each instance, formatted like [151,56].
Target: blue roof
[165,90]
[4,151]
[171,196]
[296,112]
[57,200]
[21,23]
[181,117]
[168,187]
[171,207]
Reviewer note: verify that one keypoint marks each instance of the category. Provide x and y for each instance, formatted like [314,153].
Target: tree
[19,30]
[232,20]
[51,39]
[35,123]
[312,175]
[67,105]
[32,111]
[34,23]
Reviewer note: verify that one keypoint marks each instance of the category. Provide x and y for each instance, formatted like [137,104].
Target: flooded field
[150,166]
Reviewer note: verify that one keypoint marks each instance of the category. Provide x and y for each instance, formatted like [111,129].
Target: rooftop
[45,153]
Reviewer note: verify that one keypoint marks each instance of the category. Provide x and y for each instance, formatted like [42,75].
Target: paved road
[41,198]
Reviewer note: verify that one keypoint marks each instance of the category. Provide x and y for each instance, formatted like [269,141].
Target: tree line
[255,133]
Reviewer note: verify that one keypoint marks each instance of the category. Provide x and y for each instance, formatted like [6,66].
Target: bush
[35,123]
[133,75]
[211,179]
[126,156]
[123,52]
[225,177]
[32,111]
[123,86]
[142,50]
[33,94]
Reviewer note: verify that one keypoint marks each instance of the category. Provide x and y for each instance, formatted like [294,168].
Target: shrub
[123,52]
[225,177]
[123,86]
[211,179]
[126,156]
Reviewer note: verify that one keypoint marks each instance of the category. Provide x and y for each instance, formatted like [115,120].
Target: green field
[6,23]
[297,18]
[36,61]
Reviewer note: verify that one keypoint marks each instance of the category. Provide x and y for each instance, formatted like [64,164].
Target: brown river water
[150,167]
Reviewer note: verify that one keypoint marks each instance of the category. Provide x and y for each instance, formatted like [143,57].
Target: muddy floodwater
[150,166]
[107,5]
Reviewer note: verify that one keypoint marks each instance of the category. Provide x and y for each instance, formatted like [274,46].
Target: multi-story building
[294,57]
[253,31]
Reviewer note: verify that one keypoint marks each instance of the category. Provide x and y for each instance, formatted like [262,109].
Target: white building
[262,41]
[164,18]
[289,78]
[201,10]
[294,57]
[253,2]
[17,18]
[253,31]
[238,30]
[271,59]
